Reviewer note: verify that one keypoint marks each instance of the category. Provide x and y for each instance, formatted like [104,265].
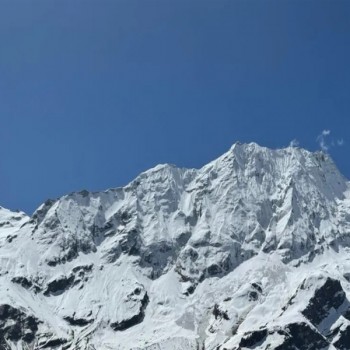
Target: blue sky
[94,92]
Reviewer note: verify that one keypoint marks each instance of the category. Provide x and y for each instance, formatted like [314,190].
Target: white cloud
[321,139]
[294,143]
[324,144]
[340,142]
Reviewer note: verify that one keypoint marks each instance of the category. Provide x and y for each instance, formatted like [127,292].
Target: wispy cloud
[294,143]
[321,139]
[324,143]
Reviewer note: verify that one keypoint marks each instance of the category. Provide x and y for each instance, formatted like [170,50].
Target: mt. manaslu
[252,251]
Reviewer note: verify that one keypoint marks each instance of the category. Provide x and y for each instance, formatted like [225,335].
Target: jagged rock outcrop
[326,299]
[138,313]
[16,325]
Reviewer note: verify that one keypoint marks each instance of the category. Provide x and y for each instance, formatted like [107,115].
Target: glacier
[252,251]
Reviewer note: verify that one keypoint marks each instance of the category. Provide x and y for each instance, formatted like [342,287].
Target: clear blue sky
[94,92]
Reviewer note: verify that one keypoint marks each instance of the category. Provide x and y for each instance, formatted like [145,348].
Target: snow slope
[249,252]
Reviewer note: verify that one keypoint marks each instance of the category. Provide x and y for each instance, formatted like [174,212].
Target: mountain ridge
[185,258]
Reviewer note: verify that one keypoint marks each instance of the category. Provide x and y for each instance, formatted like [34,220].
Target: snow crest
[236,255]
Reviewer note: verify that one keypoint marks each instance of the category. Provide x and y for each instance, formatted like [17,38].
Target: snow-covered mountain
[252,251]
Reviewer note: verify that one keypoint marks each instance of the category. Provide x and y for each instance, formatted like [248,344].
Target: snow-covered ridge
[184,259]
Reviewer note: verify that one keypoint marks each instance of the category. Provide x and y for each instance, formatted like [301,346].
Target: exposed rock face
[74,321]
[248,252]
[50,341]
[16,325]
[23,281]
[137,316]
[253,339]
[329,297]
[303,337]
[58,285]
[293,336]
[343,339]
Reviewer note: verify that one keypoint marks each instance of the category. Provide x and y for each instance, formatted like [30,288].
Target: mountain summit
[249,252]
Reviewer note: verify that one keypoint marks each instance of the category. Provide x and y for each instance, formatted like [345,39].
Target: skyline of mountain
[248,252]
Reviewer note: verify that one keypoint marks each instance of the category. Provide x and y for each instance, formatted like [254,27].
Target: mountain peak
[186,257]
